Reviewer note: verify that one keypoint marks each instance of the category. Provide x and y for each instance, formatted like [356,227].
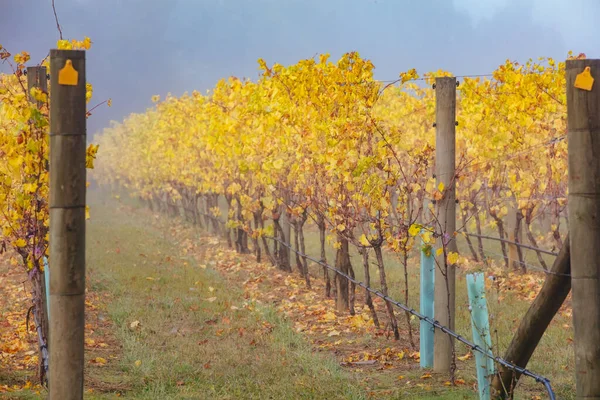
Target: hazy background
[146,47]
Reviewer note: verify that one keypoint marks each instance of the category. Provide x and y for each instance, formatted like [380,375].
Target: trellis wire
[523,371]
[520,370]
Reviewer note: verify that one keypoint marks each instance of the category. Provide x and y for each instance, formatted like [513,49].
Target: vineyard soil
[181,316]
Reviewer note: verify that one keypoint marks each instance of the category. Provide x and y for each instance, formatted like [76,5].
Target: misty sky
[147,47]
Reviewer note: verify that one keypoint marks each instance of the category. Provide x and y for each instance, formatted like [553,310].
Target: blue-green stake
[480,325]
[47,279]
[426,307]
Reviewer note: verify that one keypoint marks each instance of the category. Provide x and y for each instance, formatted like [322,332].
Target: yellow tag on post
[584,80]
[68,75]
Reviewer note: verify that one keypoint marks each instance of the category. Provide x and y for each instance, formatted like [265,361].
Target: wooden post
[287,231]
[583,125]
[445,144]
[47,286]
[511,227]
[535,322]
[426,331]
[67,225]
[480,326]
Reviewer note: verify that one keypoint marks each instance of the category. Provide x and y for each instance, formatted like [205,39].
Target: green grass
[191,348]
[182,356]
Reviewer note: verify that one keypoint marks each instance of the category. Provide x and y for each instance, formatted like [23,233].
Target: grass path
[185,332]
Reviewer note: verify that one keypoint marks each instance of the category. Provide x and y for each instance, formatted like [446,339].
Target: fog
[146,47]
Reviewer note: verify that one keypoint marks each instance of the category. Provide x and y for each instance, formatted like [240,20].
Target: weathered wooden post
[583,125]
[67,223]
[445,164]
[535,322]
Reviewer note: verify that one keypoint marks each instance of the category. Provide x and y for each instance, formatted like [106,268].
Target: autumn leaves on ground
[172,313]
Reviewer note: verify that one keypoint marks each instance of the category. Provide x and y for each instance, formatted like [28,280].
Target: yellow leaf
[426,236]
[414,230]
[341,227]
[363,240]
[426,376]
[452,258]
[465,357]
[439,251]
[20,243]
[138,363]
[441,186]
[329,316]
[100,360]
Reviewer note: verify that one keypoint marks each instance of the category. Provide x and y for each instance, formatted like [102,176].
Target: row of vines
[325,142]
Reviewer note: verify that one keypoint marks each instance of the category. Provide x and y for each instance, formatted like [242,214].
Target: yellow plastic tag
[584,80]
[68,75]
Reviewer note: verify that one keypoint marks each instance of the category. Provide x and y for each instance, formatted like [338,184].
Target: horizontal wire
[511,242]
[531,266]
[523,371]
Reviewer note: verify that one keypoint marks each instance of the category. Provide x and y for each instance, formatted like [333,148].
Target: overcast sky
[147,47]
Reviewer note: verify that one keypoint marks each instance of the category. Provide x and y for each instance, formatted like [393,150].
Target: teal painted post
[480,325]
[47,279]
[426,331]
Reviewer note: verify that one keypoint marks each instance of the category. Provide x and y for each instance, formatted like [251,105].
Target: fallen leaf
[134,324]
[211,299]
[99,360]
[426,376]
[465,357]
[334,333]
[138,363]
[329,316]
